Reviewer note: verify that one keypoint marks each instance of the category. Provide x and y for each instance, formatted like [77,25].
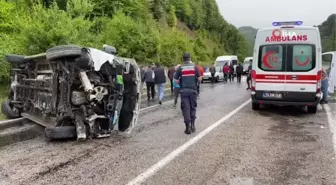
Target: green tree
[158,9]
[172,20]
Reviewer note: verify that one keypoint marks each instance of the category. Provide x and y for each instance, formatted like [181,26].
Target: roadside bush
[132,38]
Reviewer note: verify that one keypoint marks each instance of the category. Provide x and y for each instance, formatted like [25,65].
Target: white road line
[167,102]
[171,156]
[145,93]
[332,125]
[156,105]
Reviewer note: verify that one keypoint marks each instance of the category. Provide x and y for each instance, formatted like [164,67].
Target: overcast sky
[261,13]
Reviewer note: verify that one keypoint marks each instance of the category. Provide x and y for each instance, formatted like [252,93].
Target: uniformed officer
[188,75]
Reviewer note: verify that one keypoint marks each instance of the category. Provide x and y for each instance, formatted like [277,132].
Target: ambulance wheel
[255,106]
[312,109]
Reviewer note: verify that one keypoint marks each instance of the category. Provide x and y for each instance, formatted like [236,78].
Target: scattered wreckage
[75,92]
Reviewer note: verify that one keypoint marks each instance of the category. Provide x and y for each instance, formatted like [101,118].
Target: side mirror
[110,49]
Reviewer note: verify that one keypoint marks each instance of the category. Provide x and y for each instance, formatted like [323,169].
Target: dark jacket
[249,71]
[171,72]
[142,73]
[149,76]
[232,69]
[187,75]
[160,76]
[239,69]
[212,69]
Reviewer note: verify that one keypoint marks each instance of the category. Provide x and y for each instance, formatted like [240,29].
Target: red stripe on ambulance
[284,81]
[286,77]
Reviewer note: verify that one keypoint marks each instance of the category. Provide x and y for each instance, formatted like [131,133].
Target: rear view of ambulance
[287,66]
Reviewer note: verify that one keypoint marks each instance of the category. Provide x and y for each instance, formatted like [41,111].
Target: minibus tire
[255,106]
[312,109]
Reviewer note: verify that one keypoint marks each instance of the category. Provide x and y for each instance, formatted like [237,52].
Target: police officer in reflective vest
[187,76]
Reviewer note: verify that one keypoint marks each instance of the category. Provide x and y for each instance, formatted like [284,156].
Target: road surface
[233,145]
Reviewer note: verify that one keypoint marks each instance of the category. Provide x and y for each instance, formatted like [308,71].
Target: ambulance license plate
[272,95]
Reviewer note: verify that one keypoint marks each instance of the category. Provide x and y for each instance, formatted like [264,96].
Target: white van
[246,64]
[329,63]
[287,66]
[221,60]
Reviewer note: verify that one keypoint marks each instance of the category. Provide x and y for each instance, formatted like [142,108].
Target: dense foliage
[328,33]
[149,31]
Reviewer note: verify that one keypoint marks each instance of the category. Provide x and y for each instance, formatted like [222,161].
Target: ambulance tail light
[319,81]
[254,78]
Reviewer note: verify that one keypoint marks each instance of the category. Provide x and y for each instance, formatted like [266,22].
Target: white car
[219,76]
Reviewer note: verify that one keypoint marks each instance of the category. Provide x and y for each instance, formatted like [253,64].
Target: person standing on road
[160,81]
[249,76]
[149,78]
[226,71]
[213,72]
[171,72]
[239,71]
[176,88]
[324,87]
[188,75]
[232,70]
[200,69]
[142,73]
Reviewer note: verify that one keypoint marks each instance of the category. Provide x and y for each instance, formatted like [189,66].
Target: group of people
[229,72]
[154,76]
[185,82]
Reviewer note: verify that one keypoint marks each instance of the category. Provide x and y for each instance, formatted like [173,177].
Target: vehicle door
[270,71]
[219,73]
[301,72]
[332,73]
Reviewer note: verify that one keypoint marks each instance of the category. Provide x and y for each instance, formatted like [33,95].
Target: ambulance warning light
[296,23]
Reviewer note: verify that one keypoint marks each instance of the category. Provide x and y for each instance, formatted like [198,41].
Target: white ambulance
[287,66]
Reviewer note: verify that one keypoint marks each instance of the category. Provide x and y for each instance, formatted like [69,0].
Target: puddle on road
[241,181]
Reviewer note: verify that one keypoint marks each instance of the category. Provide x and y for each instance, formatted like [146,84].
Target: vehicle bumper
[285,102]
[206,78]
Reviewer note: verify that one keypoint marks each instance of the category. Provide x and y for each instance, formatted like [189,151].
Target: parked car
[75,92]
[219,76]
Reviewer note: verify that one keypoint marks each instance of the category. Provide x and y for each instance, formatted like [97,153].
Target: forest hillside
[155,31]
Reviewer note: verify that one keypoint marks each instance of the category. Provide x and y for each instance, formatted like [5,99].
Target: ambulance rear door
[303,63]
[270,67]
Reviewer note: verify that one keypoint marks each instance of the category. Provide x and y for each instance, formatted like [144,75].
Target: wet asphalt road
[273,146]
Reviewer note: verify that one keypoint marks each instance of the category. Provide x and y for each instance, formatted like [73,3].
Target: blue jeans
[160,90]
[325,89]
